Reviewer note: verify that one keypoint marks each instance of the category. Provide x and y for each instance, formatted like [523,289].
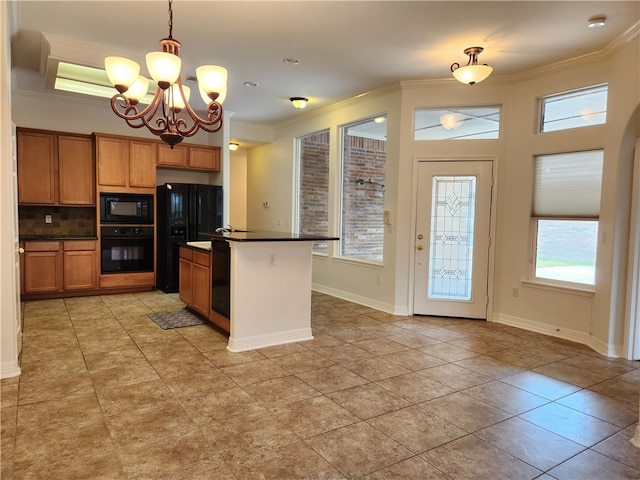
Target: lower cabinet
[194,280]
[59,266]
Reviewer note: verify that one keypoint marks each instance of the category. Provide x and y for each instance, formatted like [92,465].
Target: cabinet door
[204,158]
[80,266]
[201,289]
[36,168]
[172,157]
[77,185]
[185,281]
[113,158]
[142,163]
[42,267]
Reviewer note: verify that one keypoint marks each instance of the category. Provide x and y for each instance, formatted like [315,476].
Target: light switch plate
[47,219]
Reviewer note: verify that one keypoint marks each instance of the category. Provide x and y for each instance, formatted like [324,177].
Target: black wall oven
[126,208]
[126,249]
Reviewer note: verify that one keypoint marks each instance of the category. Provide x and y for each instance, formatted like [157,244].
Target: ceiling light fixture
[472,72]
[171,95]
[597,22]
[299,102]
[233,146]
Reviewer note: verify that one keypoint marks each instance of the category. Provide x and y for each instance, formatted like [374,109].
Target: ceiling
[344,48]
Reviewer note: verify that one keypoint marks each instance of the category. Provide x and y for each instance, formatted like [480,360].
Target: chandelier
[471,73]
[163,114]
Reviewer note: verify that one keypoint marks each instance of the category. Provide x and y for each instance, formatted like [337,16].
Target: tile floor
[106,394]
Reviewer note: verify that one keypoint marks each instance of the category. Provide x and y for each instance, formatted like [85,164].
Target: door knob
[20,250]
[419,247]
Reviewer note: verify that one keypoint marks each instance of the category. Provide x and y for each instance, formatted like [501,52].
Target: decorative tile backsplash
[65,221]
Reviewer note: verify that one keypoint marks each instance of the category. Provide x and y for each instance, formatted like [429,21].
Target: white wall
[593,319]
[9,313]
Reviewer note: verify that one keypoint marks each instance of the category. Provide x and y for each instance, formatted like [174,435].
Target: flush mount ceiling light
[597,22]
[472,72]
[233,146]
[171,97]
[299,102]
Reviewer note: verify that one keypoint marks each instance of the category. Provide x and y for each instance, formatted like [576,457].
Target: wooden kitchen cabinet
[76,167]
[36,167]
[55,169]
[80,265]
[125,163]
[194,157]
[43,270]
[60,266]
[194,279]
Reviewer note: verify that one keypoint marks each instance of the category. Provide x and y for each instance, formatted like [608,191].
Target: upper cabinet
[55,168]
[195,157]
[125,163]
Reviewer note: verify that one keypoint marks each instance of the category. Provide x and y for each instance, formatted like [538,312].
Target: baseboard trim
[360,300]
[10,370]
[262,341]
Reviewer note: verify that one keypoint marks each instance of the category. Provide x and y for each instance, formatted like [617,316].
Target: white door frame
[632,316]
[492,226]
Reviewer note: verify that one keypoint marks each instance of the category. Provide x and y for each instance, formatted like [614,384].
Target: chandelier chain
[170,19]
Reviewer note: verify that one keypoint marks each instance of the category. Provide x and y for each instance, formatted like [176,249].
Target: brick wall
[314,186]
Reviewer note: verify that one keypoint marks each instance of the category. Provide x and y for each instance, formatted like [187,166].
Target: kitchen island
[262,282]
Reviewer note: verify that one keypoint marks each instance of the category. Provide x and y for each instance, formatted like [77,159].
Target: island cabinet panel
[125,163]
[80,265]
[36,167]
[194,279]
[43,270]
[76,167]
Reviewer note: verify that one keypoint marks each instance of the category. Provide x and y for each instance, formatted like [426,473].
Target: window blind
[568,184]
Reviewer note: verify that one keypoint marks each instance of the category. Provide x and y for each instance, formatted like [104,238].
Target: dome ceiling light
[472,72]
[299,102]
[171,96]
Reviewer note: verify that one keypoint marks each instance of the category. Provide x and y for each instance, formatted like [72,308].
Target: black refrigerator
[184,213]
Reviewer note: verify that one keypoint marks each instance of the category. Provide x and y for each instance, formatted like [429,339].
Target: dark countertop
[46,238]
[266,236]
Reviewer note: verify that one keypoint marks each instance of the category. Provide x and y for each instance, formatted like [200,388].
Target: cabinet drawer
[186,253]
[71,245]
[201,258]
[52,246]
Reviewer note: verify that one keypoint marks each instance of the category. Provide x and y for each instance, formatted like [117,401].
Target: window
[459,123]
[578,108]
[313,186]
[364,155]
[566,204]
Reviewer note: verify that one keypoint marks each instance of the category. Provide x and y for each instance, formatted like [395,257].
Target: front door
[453,219]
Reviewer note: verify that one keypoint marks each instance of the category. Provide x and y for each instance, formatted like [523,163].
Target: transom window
[578,108]
[456,123]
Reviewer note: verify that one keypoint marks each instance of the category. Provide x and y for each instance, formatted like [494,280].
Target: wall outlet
[47,219]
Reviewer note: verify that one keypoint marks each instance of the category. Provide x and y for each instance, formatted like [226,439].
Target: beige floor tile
[358,449]
[313,416]
[254,372]
[489,366]
[540,385]
[590,464]
[416,429]
[380,346]
[330,379]
[571,424]
[465,412]
[58,412]
[196,384]
[129,399]
[412,360]
[369,400]
[448,352]
[415,387]
[281,390]
[302,361]
[343,353]
[414,467]
[454,376]
[617,389]
[473,459]
[376,368]
[572,374]
[55,387]
[600,406]
[530,443]
[505,397]
[618,447]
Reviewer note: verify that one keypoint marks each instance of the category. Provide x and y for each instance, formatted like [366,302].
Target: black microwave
[126,208]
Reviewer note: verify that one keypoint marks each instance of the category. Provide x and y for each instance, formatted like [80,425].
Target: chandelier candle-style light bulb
[169,114]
